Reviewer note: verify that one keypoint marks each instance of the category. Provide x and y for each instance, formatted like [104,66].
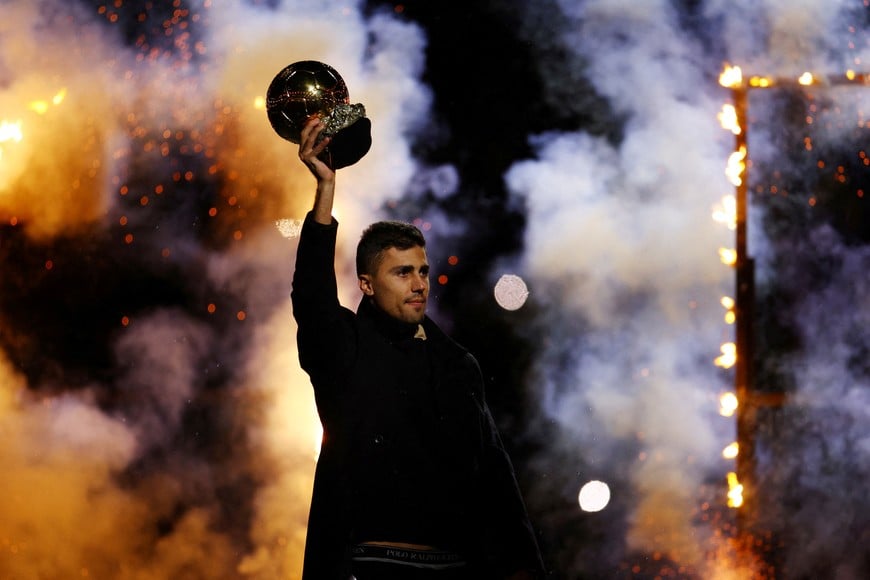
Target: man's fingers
[311,130]
[309,145]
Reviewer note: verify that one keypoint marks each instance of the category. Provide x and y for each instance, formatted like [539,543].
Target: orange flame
[731,77]
[11,131]
[760,82]
[41,107]
[806,79]
[728,303]
[726,212]
[728,256]
[736,166]
[728,118]
[731,451]
[735,491]
[727,404]
[728,357]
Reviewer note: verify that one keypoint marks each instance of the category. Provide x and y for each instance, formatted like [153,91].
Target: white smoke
[620,249]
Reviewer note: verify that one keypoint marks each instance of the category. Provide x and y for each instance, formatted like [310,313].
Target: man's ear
[365,284]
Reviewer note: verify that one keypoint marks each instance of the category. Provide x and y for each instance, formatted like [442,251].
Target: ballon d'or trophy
[309,88]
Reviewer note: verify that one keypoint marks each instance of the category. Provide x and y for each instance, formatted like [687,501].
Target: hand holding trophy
[310,88]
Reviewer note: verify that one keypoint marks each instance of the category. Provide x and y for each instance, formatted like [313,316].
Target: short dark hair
[380,237]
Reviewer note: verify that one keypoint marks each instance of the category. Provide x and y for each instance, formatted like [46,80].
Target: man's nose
[419,283]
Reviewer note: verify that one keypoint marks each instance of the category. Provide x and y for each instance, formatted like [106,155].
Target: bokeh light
[594,496]
[511,292]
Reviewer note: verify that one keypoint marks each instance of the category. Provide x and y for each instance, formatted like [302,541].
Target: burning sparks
[731,77]
[728,118]
[806,79]
[761,82]
[727,404]
[736,166]
[13,131]
[41,107]
[728,256]
[735,491]
[10,132]
[731,117]
[289,228]
[728,357]
[726,212]
[728,303]
[731,451]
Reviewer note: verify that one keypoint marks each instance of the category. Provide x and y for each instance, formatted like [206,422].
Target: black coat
[351,359]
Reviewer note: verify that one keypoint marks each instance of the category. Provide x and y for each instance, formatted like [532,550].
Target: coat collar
[397,331]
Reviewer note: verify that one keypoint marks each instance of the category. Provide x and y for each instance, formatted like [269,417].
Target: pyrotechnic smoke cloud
[189,451]
[620,256]
[155,422]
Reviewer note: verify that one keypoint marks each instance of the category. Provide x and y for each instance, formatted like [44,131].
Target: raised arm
[309,150]
[325,336]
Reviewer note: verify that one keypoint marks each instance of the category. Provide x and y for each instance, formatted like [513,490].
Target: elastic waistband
[433,559]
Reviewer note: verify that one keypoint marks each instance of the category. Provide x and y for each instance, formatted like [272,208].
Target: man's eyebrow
[408,268]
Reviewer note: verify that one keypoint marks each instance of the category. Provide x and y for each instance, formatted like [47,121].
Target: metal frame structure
[750,400]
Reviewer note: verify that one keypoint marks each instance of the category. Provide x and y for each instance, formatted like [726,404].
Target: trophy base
[348,145]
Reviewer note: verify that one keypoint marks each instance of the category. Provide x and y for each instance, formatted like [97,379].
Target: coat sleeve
[509,541]
[325,335]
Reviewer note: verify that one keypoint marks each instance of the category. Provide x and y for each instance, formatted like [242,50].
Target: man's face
[400,287]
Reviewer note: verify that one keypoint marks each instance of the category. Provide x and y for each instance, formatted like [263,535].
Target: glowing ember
[728,357]
[731,451]
[728,118]
[727,404]
[511,292]
[11,131]
[726,212]
[732,76]
[736,166]
[289,228]
[728,303]
[41,107]
[760,82]
[735,491]
[594,496]
[728,256]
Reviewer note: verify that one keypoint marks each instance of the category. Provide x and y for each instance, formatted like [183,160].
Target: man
[412,480]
